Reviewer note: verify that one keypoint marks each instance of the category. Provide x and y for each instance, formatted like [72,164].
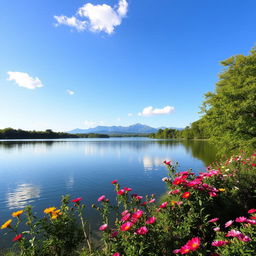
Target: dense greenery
[210,213]
[10,133]
[229,113]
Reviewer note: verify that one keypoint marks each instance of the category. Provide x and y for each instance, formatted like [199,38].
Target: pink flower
[103,227]
[124,212]
[77,200]
[17,238]
[233,233]
[219,243]
[151,220]
[138,197]
[120,192]
[252,211]
[163,205]
[101,198]
[126,226]
[241,219]
[114,181]
[229,223]
[126,217]
[142,230]
[194,243]
[244,238]
[216,229]
[167,162]
[176,191]
[185,249]
[137,214]
[253,222]
[213,220]
[116,254]
[176,251]
[212,194]
[114,234]
[127,189]
[152,200]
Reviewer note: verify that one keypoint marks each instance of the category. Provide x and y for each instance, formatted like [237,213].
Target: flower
[6,224]
[17,214]
[127,189]
[126,217]
[137,214]
[103,227]
[101,198]
[114,181]
[55,214]
[184,249]
[49,210]
[244,238]
[120,192]
[222,189]
[163,205]
[151,220]
[213,220]
[186,195]
[77,200]
[116,254]
[252,211]
[167,162]
[194,243]
[126,226]
[152,200]
[124,212]
[216,229]
[218,243]
[142,230]
[114,234]
[241,219]
[229,223]
[233,233]
[17,238]
[176,191]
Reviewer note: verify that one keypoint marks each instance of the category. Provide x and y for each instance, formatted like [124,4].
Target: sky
[82,63]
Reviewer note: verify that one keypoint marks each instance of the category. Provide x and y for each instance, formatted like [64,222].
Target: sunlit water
[40,172]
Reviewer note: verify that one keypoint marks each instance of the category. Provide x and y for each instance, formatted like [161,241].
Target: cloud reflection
[152,163]
[23,195]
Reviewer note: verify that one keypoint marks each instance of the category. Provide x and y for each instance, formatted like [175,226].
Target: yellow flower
[49,210]
[17,214]
[173,202]
[56,214]
[6,224]
[222,189]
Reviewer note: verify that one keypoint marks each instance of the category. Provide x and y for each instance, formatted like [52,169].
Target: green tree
[230,111]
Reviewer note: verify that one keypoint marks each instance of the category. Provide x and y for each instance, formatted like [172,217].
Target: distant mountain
[132,129]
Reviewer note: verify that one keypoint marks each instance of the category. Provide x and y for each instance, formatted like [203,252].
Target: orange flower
[49,210]
[17,214]
[6,224]
[56,214]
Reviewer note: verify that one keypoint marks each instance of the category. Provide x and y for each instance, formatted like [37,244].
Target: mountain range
[132,129]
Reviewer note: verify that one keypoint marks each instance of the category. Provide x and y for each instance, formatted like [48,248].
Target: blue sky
[72,63]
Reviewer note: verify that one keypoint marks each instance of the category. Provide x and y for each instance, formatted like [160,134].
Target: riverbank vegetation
[228,114]
[10,133]
[209,213]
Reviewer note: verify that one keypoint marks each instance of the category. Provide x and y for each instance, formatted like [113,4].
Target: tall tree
[230,112]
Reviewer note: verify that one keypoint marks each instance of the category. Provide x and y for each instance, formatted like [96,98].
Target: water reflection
[23,195]
[152,163]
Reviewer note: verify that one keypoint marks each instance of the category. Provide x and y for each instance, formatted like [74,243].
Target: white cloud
[71,22]
[70,92]
[130,114]
[24,80]
[150,111]
[92,124]
[96,18]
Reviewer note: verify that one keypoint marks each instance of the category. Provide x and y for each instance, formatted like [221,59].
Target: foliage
[209,213]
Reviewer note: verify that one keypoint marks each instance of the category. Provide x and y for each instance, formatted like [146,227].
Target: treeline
[229,113]
[9,133]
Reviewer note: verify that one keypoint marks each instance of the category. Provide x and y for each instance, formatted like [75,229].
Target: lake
[39,172]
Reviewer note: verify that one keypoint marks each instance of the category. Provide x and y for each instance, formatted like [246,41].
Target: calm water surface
[38,172]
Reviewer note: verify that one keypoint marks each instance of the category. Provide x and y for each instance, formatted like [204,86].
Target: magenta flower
[229,223]
[233,233]
[114,234]
[126,217]
[142,230]
[218,243]
[252,211]
[116,254]
[120,192]
[213,220]
[176,191]
[216,229]
[137,214]
[244,238]
[17,238]
[152,200]
[126,226]
[138,197]
[163,205]
[103,227]
[114,181]
[127,189]
[101,198]
[241,219]
[176,251]
[151,220]
[253,222]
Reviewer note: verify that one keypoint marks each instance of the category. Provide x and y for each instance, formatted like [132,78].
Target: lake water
[38,172]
